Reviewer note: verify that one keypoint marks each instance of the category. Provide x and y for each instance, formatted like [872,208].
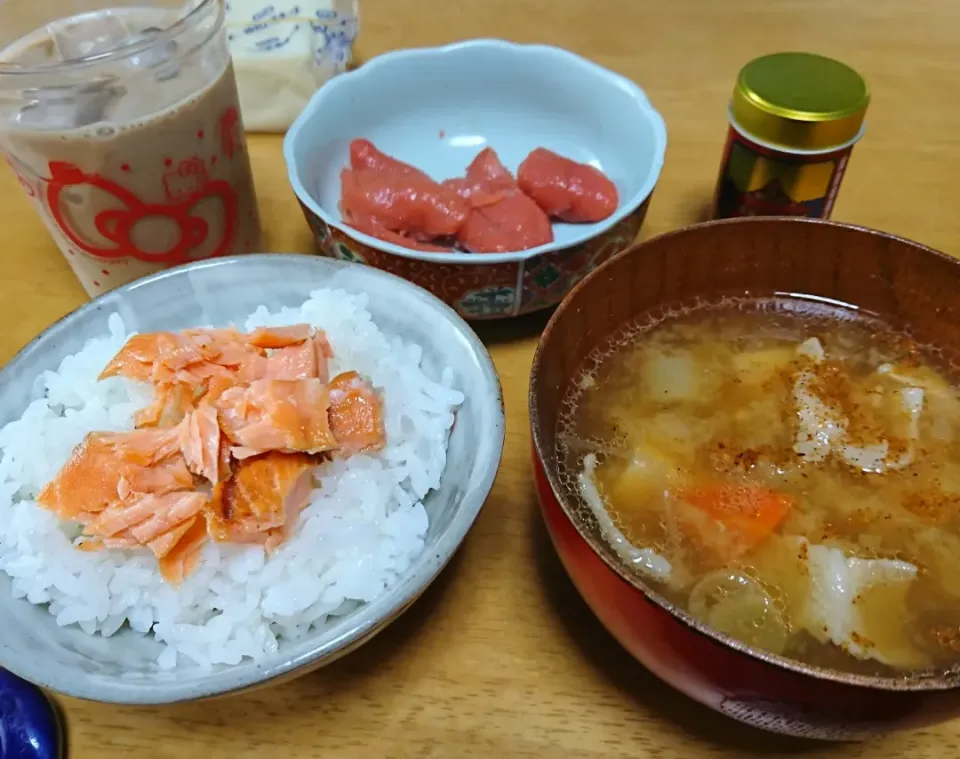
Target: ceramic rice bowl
[124,668]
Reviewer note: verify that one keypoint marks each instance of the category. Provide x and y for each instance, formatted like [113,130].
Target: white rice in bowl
[362,530]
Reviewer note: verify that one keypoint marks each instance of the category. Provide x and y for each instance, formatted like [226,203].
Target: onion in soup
[785,472]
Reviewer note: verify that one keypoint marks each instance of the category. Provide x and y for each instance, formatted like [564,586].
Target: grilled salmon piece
[107,467]
[263,499]
[356,414]
[277,415]
[183,558]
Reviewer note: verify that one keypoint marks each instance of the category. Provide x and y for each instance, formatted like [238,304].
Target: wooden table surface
[501,657]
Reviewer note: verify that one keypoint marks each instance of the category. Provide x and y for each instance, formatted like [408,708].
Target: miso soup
[786,472]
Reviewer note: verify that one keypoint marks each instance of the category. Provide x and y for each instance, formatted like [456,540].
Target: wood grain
[501,658]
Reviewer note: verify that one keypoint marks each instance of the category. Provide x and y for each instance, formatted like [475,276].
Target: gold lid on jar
[800,101]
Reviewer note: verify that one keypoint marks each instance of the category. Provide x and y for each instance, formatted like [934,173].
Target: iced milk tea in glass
[121,122]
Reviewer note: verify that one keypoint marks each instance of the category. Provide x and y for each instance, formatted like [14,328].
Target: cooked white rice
[364,526]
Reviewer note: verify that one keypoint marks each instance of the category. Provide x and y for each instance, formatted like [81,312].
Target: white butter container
[284,51]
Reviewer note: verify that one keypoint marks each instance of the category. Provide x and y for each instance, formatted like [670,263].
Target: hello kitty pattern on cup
[136,162]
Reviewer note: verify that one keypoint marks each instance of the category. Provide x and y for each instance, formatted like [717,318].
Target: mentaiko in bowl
[900,281]
[436,108]
[124,668]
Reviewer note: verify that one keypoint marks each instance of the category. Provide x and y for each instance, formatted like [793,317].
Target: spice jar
[794,119]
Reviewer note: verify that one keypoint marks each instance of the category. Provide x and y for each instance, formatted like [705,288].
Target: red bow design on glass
[186,189]
[230,142]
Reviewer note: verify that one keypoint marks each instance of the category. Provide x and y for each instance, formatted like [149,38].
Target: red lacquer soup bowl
[903,282]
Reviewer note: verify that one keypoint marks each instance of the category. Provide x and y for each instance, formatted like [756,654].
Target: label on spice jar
[756,180]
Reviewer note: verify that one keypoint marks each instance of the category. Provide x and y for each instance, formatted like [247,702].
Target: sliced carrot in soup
[728,518]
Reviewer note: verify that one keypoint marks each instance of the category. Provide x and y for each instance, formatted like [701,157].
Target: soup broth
[783,471]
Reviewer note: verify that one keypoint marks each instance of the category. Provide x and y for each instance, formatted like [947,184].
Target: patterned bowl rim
[920,681]
[560,58]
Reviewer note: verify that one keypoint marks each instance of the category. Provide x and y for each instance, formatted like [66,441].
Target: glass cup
[122,123]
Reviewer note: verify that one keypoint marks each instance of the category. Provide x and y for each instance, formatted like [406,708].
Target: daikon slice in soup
[787,473]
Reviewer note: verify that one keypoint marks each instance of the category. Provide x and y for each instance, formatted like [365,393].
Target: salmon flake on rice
[362,529]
